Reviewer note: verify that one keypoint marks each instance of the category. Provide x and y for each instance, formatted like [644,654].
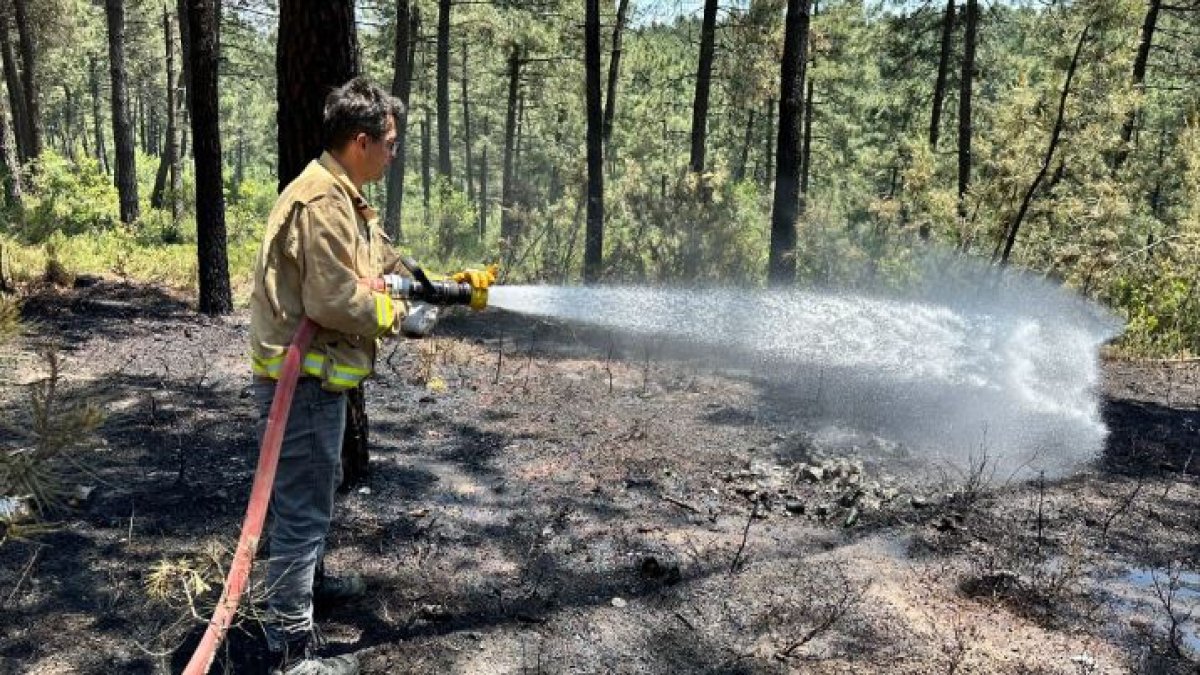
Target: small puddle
[1139,591]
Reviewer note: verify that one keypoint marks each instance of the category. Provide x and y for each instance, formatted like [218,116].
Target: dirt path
[557,509]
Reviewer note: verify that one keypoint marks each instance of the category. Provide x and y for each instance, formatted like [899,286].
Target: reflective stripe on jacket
[320,240]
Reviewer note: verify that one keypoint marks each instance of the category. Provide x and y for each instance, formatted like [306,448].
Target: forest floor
[538,504]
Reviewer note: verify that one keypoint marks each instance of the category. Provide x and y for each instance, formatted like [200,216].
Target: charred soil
[548,499]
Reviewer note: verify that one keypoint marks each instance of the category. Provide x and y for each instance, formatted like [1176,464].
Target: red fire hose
[256,510]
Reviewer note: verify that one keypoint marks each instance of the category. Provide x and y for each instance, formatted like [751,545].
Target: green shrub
[68,198]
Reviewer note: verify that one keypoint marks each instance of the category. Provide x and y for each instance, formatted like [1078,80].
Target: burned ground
[548,498]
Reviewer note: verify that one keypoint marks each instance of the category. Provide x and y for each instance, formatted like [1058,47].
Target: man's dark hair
[358,107]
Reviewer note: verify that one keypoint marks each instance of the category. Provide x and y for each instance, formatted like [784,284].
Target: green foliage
[68,198]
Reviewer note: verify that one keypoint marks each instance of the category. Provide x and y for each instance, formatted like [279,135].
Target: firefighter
[323,256]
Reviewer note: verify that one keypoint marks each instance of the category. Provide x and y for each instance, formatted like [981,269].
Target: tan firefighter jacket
[321,239]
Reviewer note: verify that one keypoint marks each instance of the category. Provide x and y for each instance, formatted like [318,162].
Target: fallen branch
[682,504]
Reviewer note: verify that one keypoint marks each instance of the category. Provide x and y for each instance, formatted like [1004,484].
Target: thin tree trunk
[123,140]
[806,151]
[443,88]
[29,78]
[708,31]
[168,163]
[213,266]
[769,145]
[964,109]
[425,161]
[11,165]
[1055,135]
[483,191]
[789,201]
[97,122]
[68,128]
[939,87]
[408,24]
[594,238]
[185,51]
[16,93]
[614,69]
[507,221]
[316,51]
[1145,44]
[467,128]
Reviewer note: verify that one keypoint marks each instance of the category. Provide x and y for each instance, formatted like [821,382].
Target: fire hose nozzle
[442,293]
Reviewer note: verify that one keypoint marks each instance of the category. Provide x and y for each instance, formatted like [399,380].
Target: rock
[746,491]
[918,501]
[428,398]
[812,474]
[619,603]
[794,506]
[364,490]
[435,613]
[822,510]
[850,498]
[851,518]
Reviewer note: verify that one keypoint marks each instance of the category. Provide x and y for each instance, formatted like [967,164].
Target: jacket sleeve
[332,296]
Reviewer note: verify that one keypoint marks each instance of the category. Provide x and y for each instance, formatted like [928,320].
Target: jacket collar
[335,168]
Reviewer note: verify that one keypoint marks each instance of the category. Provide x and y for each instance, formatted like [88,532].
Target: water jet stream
[952,371]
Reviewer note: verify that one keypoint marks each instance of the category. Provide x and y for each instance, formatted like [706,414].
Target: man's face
[377,153]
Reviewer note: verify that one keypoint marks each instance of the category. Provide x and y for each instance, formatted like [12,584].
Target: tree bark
[185,51]
[97,122]
[316,51]
[964,107]
[11,166]
[614,69]
[789,201]
[213,266]
[408,30]
[939,87]
[169,160]
[123,140]
[16,94]
[443,88]
[806,148]
[29,78]
[467,159]
[1145,44]
[425,161]
[483,191]
[1055,135]
[594,238]
[507,221]
[708,30]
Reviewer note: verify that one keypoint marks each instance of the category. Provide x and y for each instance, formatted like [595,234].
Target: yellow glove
[479,280]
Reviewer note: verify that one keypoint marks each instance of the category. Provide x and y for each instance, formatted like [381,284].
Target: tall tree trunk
[1055,135]
[16,93]
[213,266]
[68,127]
[507,222]
[443,88]
[1145,44]
[964,109]
[168,163]
[408,30]
[123,140]
[316,51]
[939,87]
[29,78]
[483,191]
[97,122]
[708,30]
[185,51]
[11,166]
[769,145]
[425,161]
[789,201]
[467,128]
[594,239]
[806,148]
[614,69]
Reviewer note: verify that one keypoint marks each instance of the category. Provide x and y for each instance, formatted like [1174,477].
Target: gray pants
[301,502]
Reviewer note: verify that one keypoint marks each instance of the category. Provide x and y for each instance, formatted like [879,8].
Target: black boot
[297,658]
